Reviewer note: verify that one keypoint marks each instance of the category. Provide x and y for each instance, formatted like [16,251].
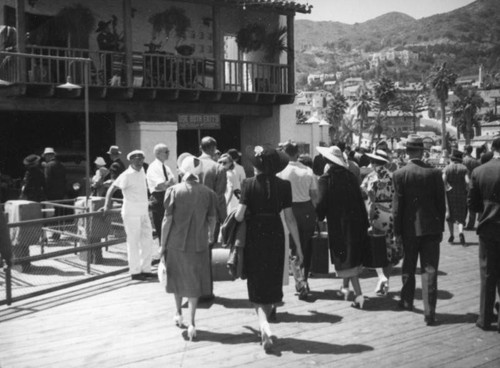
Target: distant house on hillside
[405,56]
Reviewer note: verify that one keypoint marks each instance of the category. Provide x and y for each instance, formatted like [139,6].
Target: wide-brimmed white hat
[333,154]
[135,152]
[187,163]
[100,161]
[48,150]
[114,150]
[379,155]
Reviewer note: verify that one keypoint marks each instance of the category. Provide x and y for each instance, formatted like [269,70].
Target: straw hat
[333,154]
[134,153]
[114,150]
[31,160]
[187,163]
[379,155]
[100,161]
[48,150]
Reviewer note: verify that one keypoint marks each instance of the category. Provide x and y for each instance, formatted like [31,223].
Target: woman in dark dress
[341,202]
[263,197]
[456,181]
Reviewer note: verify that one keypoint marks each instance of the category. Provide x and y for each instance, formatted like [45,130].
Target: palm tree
[335,111]
[385,94]
[464,111]
[363,108]
[412,104]
[441,81]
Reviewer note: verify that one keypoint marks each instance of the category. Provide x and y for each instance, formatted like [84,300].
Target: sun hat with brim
[31,160]
[379,155]
[267,159]
[415,141]
[135,153]
[333,154]
[100,161]
[114,150]
[456,156]
[48,150]
[189,164]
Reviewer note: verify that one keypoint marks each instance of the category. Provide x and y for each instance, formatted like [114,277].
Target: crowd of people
[360,194]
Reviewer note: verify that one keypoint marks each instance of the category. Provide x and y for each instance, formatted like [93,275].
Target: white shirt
[135,192]
[302,179]
[156,176]
[239,172]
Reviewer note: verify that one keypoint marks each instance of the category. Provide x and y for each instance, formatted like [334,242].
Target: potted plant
[251,37]
[171,19]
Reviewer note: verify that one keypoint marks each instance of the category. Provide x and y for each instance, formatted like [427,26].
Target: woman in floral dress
[379,189]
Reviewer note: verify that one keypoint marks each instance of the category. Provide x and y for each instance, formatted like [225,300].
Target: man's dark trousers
[428,248]
[489,270]
[158,212]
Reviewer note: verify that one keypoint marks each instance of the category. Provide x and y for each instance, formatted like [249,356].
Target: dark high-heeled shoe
[450,239]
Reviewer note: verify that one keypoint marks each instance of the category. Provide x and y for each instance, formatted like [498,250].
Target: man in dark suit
[484,198]
[419,213]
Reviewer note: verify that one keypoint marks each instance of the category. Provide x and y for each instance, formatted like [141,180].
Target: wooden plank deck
[116,322]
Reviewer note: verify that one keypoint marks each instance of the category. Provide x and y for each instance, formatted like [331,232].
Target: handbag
[376,254]
[320,260]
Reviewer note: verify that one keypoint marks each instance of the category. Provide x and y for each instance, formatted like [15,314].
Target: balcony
[147,76]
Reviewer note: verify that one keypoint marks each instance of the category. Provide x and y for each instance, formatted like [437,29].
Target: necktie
[164,171]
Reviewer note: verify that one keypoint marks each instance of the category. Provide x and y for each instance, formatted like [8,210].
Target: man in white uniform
[132,183]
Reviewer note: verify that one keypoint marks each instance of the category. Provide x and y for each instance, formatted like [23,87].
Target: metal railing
[149,70]
[53,253]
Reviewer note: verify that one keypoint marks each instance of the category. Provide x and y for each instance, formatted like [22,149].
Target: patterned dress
[379,189]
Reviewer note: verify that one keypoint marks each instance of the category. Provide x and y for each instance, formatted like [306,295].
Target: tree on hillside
[363,108]
[412,104]
[441,81]
[335,111]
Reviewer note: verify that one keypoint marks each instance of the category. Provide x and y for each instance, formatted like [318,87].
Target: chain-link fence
[77,245]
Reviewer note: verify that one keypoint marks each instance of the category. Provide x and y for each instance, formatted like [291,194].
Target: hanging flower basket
[251,37]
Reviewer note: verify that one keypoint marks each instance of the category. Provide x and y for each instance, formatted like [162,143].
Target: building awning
[280,5]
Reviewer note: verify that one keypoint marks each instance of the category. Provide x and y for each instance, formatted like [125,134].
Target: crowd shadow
[281,345]
[226,303]
[313,317]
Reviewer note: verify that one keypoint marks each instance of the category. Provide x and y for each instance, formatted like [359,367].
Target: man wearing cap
[484,198]
[55,178]
[159,178]
[135,214]
[419,213]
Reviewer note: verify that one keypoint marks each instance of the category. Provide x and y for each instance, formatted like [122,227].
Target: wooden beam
[21,37]
[291,53]
[127,35]
[218,47]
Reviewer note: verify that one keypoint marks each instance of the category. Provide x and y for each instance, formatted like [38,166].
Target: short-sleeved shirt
[302,180]
[135,192]
[156,175]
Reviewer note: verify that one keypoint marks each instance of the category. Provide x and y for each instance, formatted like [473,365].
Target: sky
[358,11]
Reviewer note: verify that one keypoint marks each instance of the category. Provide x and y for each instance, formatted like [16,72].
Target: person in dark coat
[419,212]
[470,163]
[340,201]
[263,197]
[484,198]
[55,178]
[456,182]
[33,185]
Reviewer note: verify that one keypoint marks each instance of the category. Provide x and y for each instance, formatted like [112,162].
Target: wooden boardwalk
[116,322]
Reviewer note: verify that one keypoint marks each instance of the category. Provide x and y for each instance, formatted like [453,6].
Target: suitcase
[320,259]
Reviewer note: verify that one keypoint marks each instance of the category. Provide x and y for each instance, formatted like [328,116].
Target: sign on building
[198,121]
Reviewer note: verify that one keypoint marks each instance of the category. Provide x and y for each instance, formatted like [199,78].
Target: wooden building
[160,71]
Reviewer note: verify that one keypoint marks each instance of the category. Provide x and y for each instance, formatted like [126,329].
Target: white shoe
[178,320]
[191,332]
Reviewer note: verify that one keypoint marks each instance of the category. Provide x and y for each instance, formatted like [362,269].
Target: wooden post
[291,53]
[218,47]
[21,39]
[127,37]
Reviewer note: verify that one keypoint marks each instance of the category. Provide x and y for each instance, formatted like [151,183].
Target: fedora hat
[114,150]
[415,141]
[379,155]
[456,155]
[48,150]
[267,159]
[31,160]
[102,25]
[135,153]
[333,154]
[100,161]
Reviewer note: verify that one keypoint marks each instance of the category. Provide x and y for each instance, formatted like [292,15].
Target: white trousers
[139,242]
